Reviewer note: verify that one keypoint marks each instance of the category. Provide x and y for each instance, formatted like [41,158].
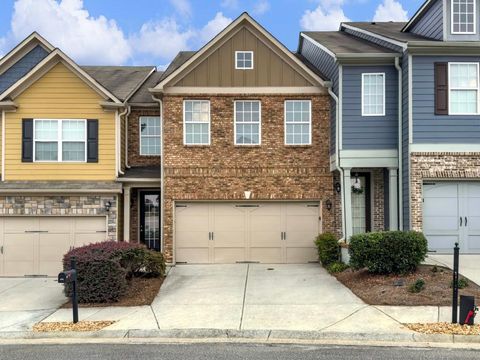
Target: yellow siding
[59,94]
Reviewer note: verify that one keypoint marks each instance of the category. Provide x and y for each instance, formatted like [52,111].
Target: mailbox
[66,277]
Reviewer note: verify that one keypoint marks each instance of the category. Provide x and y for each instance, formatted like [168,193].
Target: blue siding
[328,66]
[374,40]
[431,23]
[22,67]
[369,132]
[405,148]
[431,128]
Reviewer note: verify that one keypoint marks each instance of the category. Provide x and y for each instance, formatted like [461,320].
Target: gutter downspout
[162,206]
[127,114]
[118,139]
[3,145]
[400,143]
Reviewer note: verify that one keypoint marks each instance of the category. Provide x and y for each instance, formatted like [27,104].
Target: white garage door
[451,213]
[36,245]
[264,232]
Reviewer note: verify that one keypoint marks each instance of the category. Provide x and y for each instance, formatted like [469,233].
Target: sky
[151,32]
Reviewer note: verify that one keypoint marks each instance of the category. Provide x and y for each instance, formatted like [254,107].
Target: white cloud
[261,7]
[183,7]
[327,16]
[67,25]
[390,10]
[230,4]
[214,26]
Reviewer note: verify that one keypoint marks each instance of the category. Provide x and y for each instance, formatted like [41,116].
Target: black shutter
[441,88]
[27,140]
[92,140]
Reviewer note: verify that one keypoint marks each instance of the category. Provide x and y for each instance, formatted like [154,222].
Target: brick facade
[62,205]
[223,171]
[378,193]
[134,157]
[431,166]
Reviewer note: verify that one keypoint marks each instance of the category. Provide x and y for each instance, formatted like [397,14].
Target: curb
[259,335]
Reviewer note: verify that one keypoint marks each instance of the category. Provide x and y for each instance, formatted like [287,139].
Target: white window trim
[474,21]
[236,63]
[60,141]
[450,88]
[251,123]
[194,122]
[147,136]
[296,122]
[384,94]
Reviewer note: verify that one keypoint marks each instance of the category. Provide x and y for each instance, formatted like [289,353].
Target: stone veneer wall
[223,171]
[62,205]
[134,157]
[441,165]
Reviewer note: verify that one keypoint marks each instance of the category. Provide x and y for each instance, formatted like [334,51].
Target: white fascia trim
[394,42]
[187,90]
[369,158]
[451,148]
[314,42]
[417,14]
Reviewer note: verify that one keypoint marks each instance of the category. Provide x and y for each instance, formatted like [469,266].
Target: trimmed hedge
[103,269]
[389,252]
[328,248]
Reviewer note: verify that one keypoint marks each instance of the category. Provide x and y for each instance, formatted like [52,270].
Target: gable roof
[418,15]
[178,61]
[244,17]
[143,96]
[389,29]
[46,64]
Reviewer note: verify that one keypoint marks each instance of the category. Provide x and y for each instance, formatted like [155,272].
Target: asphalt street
[225,351]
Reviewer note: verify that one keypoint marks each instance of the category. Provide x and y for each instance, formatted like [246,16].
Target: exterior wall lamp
[328,205]
[338,187]
[108,205]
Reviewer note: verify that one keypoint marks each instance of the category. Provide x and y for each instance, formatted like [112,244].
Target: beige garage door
[36,245]
[264,232]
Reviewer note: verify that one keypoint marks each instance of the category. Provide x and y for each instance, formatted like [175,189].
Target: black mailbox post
[67,277]
[456,256]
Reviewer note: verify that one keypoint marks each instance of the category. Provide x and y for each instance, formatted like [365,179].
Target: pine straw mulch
[382,289]
[445,328]
[69,326]
[141,291]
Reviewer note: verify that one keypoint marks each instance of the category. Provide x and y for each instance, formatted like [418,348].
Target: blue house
[405,120]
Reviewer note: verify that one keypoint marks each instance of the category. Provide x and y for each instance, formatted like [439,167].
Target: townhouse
[244,151]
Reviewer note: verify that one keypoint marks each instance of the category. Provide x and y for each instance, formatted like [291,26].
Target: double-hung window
[196,120]
[464,88]
[373,94]
[298,122]
[463,17]
[150,133]
[247,122]
[60,140]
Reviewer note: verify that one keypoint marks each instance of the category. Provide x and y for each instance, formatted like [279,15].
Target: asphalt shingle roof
[179,60]
[142,95]
[390,29]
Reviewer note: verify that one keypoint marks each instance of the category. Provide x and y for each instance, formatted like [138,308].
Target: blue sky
[123,32]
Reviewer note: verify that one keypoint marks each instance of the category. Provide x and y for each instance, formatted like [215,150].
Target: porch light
[328,205]
[338,187]
[108,205]
[357,185]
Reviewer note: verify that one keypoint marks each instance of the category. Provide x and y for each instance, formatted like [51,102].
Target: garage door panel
[301,255]
[442,243]
[53,225]
[302,209]
[192,239]
[441,206]
[88,238]
[266,222]
[89,224]
[192,255]
[19,254]
[441,223]
[21,224]
[267,255]
[473,243]
[229,239]
[229,255]
[441,190]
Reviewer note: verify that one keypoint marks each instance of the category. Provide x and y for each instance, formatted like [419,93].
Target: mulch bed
[69,326]
[141,291]
[445,328]
[381,289]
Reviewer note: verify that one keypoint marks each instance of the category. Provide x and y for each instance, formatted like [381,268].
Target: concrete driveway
[257,296]
[469,265]
[26,301]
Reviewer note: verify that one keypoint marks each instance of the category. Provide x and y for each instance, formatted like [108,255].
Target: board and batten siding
[328,66]
[369,132]
[59,94]
[21,67]
[429,128]
[218,68]
[405,145]
[431,23]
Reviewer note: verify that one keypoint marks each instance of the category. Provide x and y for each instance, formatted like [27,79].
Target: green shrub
[462,283]
[337,267]
[389,252]
[328,248]
[103,269]
[417,286]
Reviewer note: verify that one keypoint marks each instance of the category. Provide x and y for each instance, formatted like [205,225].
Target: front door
[361,209]
[150,219]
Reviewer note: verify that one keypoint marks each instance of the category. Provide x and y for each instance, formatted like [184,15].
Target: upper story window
[196,120]
[247,123]
[243,60]
[60,140]
[464,88]
[298,122]
[373,94]
[463,17]
[150,132]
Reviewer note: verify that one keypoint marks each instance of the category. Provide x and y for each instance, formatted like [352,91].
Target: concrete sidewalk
[469,264]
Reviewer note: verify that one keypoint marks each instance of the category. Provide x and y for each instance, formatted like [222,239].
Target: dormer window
[463,17]
[243,60]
